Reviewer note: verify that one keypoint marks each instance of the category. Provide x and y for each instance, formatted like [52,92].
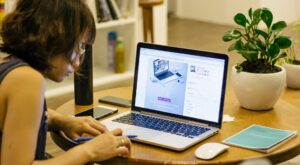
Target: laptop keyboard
[165,75]
[168,126]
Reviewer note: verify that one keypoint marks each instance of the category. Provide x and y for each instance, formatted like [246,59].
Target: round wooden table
[285,115]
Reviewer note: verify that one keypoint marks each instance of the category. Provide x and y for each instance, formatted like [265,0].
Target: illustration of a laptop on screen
[162,71]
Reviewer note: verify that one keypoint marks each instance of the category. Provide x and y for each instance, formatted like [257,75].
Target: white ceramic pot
[258,91]
[292,73]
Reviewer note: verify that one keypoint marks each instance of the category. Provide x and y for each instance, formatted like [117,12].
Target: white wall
[172,5]
[283,9]
[223,11]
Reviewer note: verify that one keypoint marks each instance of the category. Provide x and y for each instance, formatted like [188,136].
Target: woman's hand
[107,145]
[75,127]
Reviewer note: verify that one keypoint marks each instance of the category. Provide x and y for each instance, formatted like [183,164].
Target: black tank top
[5,68]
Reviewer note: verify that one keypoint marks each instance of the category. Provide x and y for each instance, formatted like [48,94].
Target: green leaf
[236,34]
[249,55]
[283,42]
[250,13]
[239,68]
[278,26]
[232,34]
[260,44]
[282,55]
[239,45]
[240,19]
[262,33]
[250,46]
[273,51]
[267,17]
[227,37]
[256,17]
[231,47]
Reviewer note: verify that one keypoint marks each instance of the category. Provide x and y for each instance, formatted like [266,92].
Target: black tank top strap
[10,65]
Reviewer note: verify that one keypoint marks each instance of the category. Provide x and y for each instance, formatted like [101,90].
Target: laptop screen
[180,82]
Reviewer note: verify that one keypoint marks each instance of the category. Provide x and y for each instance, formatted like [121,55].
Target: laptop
[162,72]
[182,112]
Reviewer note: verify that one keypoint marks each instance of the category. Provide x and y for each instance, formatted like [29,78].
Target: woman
[45,39]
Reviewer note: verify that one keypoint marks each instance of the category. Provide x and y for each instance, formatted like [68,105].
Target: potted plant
[257,81]
[292,67]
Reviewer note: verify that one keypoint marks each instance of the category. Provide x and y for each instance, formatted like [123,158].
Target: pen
[84,139]
[131,136]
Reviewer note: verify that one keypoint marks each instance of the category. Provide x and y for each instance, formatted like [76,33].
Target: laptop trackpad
[142,133]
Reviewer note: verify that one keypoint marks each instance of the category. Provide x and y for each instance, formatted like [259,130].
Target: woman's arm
[25,95]
[102,147]
[23,89]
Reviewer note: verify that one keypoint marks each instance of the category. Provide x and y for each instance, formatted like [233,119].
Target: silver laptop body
[179,110]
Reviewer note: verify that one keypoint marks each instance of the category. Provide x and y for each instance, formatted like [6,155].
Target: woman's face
[62,67]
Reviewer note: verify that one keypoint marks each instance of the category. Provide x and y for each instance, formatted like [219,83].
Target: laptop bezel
[140,45]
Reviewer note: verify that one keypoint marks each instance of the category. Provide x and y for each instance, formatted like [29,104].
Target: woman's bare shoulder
[25,73]
[23,77]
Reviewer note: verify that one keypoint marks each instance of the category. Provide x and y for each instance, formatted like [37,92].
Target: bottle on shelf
[83,80]
[120,56]
[111,45]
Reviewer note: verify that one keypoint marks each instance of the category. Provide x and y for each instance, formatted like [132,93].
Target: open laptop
[182,112]
[162,72]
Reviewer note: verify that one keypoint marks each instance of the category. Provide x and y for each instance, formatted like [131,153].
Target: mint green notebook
[260,138]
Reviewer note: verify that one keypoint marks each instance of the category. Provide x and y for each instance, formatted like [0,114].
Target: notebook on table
[260,138]
[178,96]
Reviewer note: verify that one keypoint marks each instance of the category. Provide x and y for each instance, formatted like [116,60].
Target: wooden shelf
[115,23]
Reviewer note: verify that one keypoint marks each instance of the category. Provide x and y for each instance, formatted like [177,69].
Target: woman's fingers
[92,126]
[123,151]
[99,126]
[117,132]
[124,141]
[92,131]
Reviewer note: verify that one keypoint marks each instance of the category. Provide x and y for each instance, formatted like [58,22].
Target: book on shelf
[102,10]
[112,10]
[99,11]
[106,10]
[124,7]
[116,13]
[260,138]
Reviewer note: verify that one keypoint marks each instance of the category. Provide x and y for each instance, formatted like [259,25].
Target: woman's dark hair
[40,29]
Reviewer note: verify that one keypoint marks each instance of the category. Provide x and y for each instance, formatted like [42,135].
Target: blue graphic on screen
[166,86]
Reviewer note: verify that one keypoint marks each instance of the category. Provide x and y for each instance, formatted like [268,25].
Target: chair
[147,10]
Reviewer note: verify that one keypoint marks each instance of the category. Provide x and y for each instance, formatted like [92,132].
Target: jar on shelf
[120,56]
